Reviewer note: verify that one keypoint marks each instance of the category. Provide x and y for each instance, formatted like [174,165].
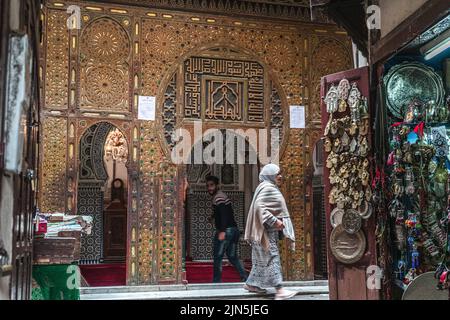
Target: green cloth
[36,294]
[56,282]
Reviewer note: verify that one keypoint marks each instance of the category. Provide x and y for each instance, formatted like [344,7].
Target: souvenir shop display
[411,81]
[418,171]
[347,145]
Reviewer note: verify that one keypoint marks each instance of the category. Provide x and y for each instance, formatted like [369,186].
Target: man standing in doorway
[226,239]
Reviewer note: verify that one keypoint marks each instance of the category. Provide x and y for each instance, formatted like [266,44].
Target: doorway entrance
[102,194]
[238,181]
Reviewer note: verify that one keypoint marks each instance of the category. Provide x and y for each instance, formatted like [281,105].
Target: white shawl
[268,201]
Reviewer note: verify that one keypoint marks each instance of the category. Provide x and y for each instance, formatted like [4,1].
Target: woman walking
[268,220]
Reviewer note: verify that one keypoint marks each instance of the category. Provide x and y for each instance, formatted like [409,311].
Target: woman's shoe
[286,294]
[254,289]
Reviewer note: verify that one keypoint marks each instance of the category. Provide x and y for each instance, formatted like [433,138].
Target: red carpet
[104,275]
[202,272]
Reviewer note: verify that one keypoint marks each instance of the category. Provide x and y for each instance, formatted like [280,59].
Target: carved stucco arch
[126,134]
[242,52]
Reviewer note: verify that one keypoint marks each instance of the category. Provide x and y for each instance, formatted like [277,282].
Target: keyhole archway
[238,179]
[102,184]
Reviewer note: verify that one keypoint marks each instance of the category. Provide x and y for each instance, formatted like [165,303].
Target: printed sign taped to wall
[147,108]
[297,117]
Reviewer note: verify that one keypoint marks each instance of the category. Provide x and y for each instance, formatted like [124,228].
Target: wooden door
[24,184]
[348,281]
[115,225]
[115,235]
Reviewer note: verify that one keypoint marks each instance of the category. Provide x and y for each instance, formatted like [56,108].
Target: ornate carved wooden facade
[186,60]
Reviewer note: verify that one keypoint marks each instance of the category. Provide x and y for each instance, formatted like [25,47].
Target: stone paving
[307,290]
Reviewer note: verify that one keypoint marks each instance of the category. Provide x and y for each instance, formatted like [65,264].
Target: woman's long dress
[266,265]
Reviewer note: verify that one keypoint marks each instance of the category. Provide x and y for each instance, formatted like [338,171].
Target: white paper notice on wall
[147,108]
[297,117]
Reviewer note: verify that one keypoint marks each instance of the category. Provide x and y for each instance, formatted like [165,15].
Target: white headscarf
[268,201]
[269,172]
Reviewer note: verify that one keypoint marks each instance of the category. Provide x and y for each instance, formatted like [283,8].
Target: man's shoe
[254,289]
[285,295]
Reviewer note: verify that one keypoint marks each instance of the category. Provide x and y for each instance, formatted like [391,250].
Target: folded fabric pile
[57,222]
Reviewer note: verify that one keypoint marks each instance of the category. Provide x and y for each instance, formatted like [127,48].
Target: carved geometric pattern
[285,9]
[168,248]
[91,181]
[86,171]
[108,87]
[289,57]
[197,173]
[104,40]
[150,155]
[105,54]
[98,149]
[53,157]
[328,56]
[224,100]
[281,49]
[202,230]
[431,33]
[224,97]
[92,143]
[90,203]
[160,44]
[180,38]
[169,114]
[292,165]
[57,61]
[276,112]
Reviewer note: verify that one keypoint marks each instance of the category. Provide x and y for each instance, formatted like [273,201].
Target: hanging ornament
[364,108]
[331,100]
[354,96]
[345,139]
[343,91]
[409,181]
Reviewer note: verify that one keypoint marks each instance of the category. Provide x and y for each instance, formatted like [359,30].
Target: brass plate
[410,80]
[345,247]
[336,217]
[351,221]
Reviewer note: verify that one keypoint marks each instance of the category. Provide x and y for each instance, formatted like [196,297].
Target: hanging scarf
[268,201]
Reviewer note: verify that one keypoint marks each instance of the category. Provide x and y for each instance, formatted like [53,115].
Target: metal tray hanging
[345,247]
[410,80]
